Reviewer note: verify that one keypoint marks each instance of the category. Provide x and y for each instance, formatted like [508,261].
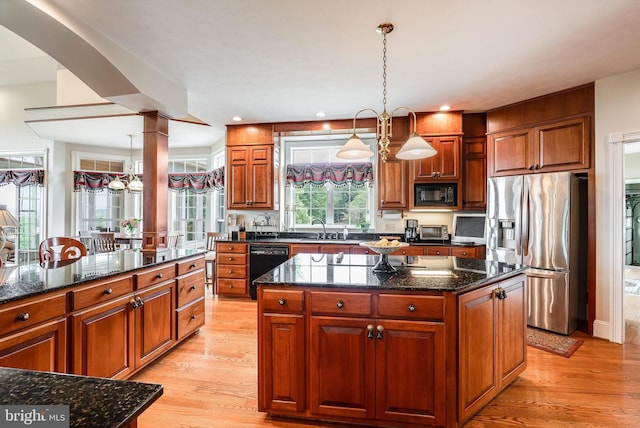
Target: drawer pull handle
[412,307]
[370,329]
[282,301]
[108,291]
[230,270]
[230,286]
[193,317]
[230,258]
[379,336]
[193,265]
[23,316]
[159,276]
[193,287]
[340,304]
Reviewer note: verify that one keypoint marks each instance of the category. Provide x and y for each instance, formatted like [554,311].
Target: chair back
[211,240]
[104,242]
[172,240]
[61,248]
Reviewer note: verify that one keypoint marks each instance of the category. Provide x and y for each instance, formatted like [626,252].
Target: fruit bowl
[383,264]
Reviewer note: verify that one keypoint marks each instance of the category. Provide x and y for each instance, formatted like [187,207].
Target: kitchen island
[428,345]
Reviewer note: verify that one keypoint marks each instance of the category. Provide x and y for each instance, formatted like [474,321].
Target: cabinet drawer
[231,271]
[231,259]
[437,251]
[282,300]
[101,292]
[408,306]
[16,317]
[464,252]
[413,250]
[229,247]
[335,303]
[190,318]
[155,276]
[190,287]
[190,265]
[232,286]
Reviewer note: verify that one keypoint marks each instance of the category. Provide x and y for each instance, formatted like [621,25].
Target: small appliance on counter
[429,232]
[410,230]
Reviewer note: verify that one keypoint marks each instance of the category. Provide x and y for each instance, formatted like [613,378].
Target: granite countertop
[93,402]
[414,273]
[25,280]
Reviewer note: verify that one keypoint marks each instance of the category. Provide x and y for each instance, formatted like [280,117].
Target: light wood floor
[211,381]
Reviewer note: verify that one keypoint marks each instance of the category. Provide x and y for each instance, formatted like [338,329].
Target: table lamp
[6,220]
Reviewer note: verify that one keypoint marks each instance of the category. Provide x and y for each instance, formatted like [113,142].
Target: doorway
[631,296]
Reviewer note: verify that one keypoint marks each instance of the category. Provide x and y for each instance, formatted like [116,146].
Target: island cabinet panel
[42,348]
[154,322]
[190,297]
[232,273]
[410,360]
[342,367]
[493,348]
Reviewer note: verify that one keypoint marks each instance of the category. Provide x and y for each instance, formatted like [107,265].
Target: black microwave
[435,194]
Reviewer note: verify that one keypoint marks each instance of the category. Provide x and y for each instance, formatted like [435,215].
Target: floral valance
[337,174]
[22,177]
[196,182]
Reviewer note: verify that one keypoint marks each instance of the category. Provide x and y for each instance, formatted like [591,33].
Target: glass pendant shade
[415,148]
[135,185]
[116,184]
[354,149]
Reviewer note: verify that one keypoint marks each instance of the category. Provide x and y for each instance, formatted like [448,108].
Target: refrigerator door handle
[524,244]
[539,273]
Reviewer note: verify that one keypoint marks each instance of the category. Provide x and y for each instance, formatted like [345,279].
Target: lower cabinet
[41,348]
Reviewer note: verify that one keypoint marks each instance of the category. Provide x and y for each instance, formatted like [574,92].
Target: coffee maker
[410,230]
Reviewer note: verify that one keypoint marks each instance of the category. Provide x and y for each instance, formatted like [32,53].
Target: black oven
[263,258]
[435,194]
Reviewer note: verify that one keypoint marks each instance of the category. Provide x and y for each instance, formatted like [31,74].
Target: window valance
[337,174]
[22,177]
[196,182]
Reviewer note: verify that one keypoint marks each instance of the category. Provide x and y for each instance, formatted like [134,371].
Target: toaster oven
[434,232]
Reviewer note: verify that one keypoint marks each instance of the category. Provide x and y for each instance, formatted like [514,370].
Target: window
[344,205]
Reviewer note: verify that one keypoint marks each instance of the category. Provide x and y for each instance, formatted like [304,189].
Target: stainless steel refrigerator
[539,220]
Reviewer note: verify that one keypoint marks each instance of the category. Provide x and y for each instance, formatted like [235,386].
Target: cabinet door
[437,251]
[342,362]
[237,177]
[477,333]
[563,145]
[392,181]
[410,367]
[154,322]
[474,173]
[103,339]
[304,248]
[42,348]
[444,165]
[512,338]
[282,359]
[511,152]
[261,175]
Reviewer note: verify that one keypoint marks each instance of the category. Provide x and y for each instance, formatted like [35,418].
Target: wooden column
[156,183]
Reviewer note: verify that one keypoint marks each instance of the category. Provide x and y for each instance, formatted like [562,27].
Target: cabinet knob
[108,291]
[23,316]
[536,166]
[193,287]
[230,258]
[530,168]
[340,304]
[379,336]
[230,286]
[193,265]
[412,307]
[370,329]
[193,317]
[159,276]
[282,301]
[134,303]
[501,293]
[140,302]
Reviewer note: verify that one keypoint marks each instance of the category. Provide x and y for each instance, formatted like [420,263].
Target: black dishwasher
[263,258]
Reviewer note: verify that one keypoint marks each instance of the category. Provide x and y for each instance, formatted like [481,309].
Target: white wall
[14,133]
[617,110]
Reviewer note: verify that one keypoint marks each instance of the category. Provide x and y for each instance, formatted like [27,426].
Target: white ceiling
[285,60]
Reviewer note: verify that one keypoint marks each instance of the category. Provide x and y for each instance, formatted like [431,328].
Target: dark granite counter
[93,402]
[415,273]
[20,281]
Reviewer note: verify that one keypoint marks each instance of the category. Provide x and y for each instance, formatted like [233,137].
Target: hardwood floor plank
[211,381]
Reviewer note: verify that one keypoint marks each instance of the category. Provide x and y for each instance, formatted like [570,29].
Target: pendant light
[415,147]
[135,185]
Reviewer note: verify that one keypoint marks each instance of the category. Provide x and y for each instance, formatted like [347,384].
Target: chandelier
[133,182]
[414,148]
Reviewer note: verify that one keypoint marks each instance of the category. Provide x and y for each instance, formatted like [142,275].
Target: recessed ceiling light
[236,118]
[321,114]
[326,126]
[445,108]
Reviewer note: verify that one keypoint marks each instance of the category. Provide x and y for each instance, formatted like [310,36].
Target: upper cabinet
[546,134]
[392,174]
[474,161]
[250,167]
[444,166]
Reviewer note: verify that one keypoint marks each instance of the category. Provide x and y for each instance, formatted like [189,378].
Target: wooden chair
[103,242]
[210,261]
[172,240]
[61,248]
[85,236]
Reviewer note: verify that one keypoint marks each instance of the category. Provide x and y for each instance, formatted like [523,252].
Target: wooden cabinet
[557,146]
[232,269]
[155,308]
[493,347]
[190,296]
[392,180]
[474,173]
[471,252]
[444,166]
[437,251]
[250,177]
[281,350]
[411,250]
[33,334]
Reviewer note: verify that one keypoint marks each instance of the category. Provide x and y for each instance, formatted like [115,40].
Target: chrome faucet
[324,228]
